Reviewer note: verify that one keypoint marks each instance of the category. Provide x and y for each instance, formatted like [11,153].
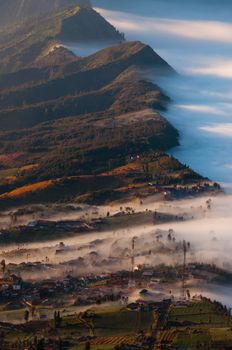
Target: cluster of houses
[15,293]
[91,289]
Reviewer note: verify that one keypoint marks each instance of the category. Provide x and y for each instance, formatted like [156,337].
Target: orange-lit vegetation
[113,340]
[28,189]
[125,169]
[27,167]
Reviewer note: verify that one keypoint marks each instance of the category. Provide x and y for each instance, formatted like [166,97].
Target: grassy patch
[198,313]
[219,334]
[192,340]
[124,323]
[127,220]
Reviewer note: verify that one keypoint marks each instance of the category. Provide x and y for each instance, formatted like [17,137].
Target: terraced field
[203,312]
[198,325]
[113,340]
[190,326]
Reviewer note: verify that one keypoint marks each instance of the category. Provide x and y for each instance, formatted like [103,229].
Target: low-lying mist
[202,112]
[83,50]
[208,230]
[195,38]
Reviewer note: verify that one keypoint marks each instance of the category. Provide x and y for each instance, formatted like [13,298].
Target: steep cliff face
[12,11]
[87,25]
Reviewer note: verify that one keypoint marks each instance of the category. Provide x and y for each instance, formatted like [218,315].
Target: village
[145,282]
[118,283]
[65,313]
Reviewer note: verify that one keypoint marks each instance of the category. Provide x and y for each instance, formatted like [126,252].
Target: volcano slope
[84,129]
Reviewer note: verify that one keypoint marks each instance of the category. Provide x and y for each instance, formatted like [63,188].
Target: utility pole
[133,255]
[184,268]
[132,281]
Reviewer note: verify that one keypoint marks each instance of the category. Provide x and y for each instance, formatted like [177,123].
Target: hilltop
[21,44]
[12,11]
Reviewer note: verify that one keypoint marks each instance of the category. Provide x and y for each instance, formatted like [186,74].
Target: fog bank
[195,38]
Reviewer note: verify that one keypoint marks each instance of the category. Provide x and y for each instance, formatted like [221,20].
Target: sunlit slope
[12,11]
[21,44]
[107,80]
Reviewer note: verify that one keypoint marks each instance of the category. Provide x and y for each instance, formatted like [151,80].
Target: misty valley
[115,175]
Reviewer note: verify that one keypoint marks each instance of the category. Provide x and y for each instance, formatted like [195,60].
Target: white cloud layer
[196,30]
[198,45]
[221,68]
[221,129]
[203,109]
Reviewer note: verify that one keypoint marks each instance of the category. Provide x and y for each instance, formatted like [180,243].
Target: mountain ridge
[65,119]
[76,78]
[23,43]
[13,11]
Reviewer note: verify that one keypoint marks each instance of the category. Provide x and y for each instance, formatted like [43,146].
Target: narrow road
[160,324]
